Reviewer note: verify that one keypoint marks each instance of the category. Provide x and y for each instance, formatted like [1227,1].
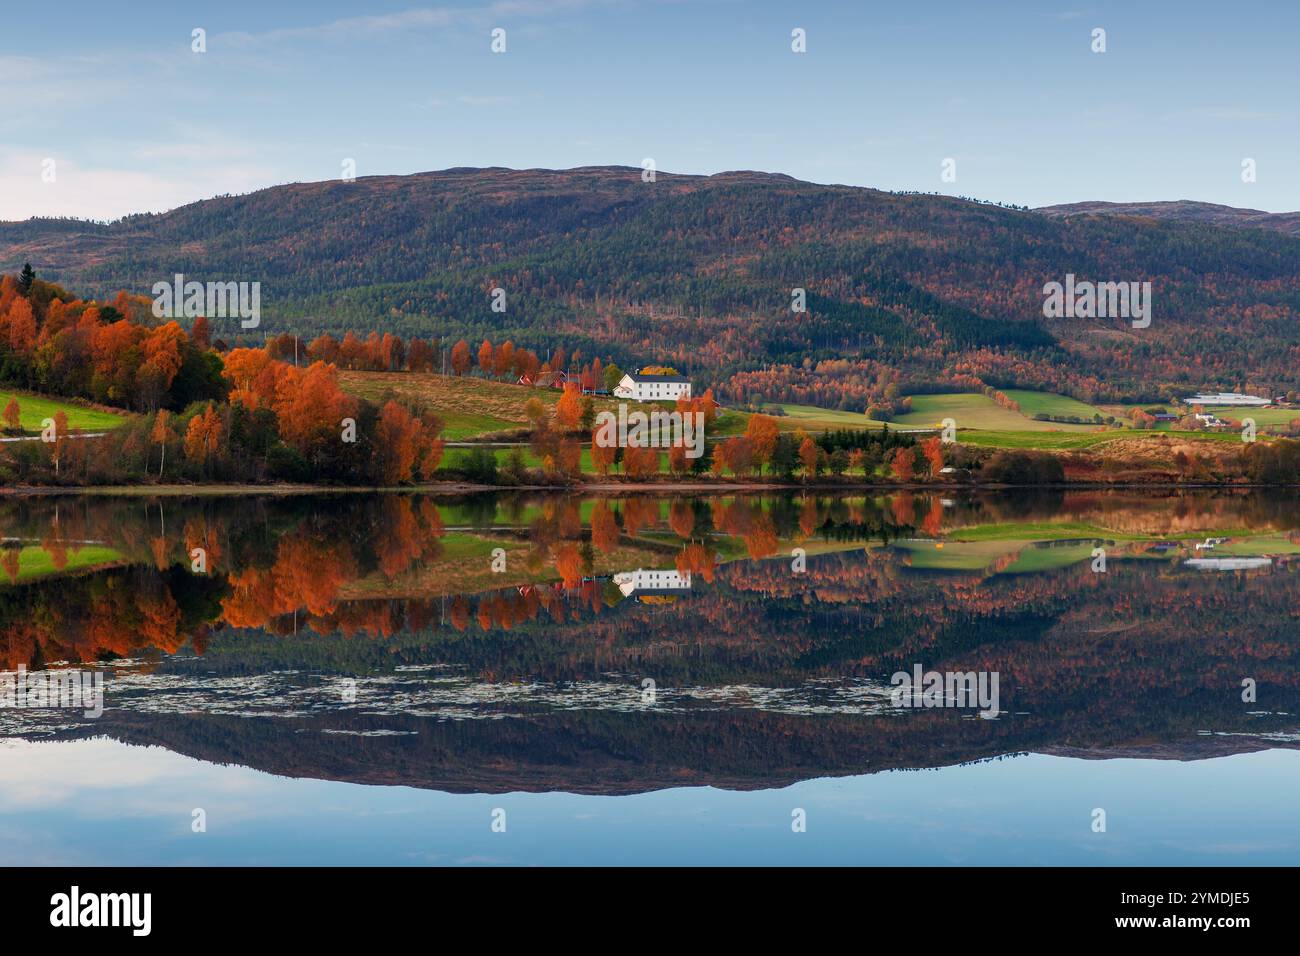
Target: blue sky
[135,121]
[100,802]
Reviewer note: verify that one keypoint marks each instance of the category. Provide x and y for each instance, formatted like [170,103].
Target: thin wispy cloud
[425,18]
[294,93]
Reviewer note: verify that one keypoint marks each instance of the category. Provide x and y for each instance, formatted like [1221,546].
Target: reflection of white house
[1228,564]
[640,583]
[652,388]
[1226,398]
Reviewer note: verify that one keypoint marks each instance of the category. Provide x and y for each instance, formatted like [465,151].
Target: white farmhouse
[652,388]
[641,583]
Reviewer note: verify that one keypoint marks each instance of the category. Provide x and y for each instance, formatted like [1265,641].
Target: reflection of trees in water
[281,564]
[107,614]
[1140,662]
[1139,659]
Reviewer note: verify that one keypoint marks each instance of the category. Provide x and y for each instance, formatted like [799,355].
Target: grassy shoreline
[724,486]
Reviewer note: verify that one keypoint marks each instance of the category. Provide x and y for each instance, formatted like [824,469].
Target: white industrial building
[1228,564]
[1227,398]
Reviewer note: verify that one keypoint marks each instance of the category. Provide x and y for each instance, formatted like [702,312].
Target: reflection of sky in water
[99,802]
[463,679]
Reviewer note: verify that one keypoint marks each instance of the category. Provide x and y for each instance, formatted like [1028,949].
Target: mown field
[454,458]
[1262,416]
[813,419]
[1046,403]
[34,561]
[474,407]
[974,410]
[1040,439]
[468,406]
[34,409]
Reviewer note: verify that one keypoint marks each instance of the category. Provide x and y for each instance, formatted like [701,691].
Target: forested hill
[903,291]
[1184,210]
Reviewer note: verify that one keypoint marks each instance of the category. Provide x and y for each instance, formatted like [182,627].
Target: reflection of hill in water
[628,752]
[763,680]
[764,677]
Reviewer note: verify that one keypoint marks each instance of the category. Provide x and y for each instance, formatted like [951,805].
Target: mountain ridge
[904,291]
[1186,210]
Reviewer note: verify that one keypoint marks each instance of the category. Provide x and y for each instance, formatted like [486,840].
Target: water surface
[380,679]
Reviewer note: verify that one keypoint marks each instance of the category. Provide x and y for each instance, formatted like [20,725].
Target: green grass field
[1262,416]
[470,406]
[467,406]
[1046,403]
[1032,560]
[955,556]
[33,409]
[974,410]
[1259,544]
[35,562]
[454,458]
[1034,531]
[1040,439]
[810,418]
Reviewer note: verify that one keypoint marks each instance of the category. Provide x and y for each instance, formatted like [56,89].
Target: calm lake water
[408,680]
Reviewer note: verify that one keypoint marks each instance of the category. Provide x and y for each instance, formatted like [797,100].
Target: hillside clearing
[975,410]
[36,561]
[468,406]
[1047,403]
[34,409]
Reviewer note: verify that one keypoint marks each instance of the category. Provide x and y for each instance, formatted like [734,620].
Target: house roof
[674,379]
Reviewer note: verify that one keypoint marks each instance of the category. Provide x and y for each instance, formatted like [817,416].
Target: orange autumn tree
[810,455]
[569,564]
[903,464]
[503,359]
[640,462]
[13,416]
[161,350]
[696,558]
[932,523]
[568,411]
[203,437]
[604,527]
[569,458]
[678,464]
[762,433]
[254,377]
[161,435]
[431,448]
[932,449]
[311,407]
[12,561]
[115,357]
[681,518]
[20,326]
[60,437]
[761,539]
[460,357]
[858,461]
[602,456]
[738,454]
[398,439]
